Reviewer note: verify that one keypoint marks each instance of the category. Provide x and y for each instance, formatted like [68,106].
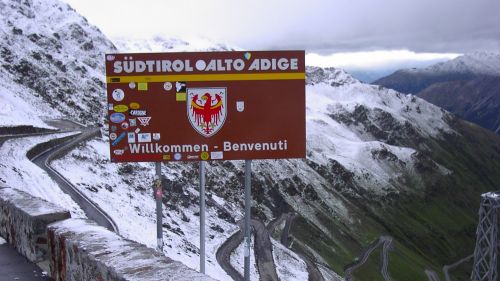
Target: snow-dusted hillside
[357,125]
[52,59]
[159,44]
[466,86]
[464,67]
[363,161]
[378,162]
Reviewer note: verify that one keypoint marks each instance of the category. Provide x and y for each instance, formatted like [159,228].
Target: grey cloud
[421,26]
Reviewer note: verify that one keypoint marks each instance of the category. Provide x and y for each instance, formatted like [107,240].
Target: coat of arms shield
[206,109]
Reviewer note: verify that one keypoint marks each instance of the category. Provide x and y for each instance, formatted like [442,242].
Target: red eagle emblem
[206,109]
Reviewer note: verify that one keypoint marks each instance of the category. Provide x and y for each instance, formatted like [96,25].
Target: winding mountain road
[385,241]
[62,126]
[262,249]
[223,254]
[314,274]
[431,275]
[44,158]
[447,268]
[364,257]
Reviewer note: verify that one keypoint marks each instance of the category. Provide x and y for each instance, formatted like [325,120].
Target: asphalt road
[431,275]
[447,268]
[62,125]
[65,125]
[364,257]
[92,211]
[314,274]
[385,241]
[223,255]
[13,266]
[262,250]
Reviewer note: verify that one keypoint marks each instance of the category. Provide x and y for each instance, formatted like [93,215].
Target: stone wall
[81,250]
[24,220]
[78,249]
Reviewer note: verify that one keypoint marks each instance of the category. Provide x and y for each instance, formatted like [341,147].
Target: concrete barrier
[24,220]
[79,249]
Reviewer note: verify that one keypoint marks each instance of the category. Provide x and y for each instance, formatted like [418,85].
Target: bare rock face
[476,100]
[56,55]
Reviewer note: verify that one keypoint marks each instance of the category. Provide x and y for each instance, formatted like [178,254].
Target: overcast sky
[323,27]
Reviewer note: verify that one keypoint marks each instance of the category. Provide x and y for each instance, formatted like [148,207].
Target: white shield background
[207,119]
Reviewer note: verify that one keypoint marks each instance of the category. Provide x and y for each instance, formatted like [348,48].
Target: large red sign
[206,106]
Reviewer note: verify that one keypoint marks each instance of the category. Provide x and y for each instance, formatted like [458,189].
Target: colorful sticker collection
[129,128]
[127,121]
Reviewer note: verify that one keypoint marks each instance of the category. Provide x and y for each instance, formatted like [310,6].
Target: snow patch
[289,265]
[18,172]
[18,109]
[237,260]
[124,191]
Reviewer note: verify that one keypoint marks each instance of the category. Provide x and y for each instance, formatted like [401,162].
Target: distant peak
[329,75]
[159,43]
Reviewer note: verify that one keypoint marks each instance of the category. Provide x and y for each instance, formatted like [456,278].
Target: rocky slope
[54,57]
[476,100]
[387,163]
[465,86]
[379,162]
[461,68]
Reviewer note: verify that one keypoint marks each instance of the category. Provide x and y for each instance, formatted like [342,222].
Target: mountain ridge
[476,100]
[464,67]
[465,86]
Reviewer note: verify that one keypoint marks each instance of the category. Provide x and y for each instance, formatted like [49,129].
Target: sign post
[202,216]
[206,106]
[248,206]
[159,213]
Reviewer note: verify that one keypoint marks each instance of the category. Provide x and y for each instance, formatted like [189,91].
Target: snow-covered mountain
[479,62]
[466,86]
[476,100]
[464,67]
[159,44]
[52,59]
[378,162]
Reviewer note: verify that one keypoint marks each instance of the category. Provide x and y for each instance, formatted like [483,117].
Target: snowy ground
[289,266]
[19,106]
[17,171]
[237,260]
[127,198]
[2,241]
[124,190]
[129,201]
